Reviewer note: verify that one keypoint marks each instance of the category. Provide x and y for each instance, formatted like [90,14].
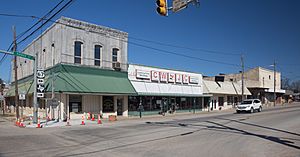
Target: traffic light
[162,8]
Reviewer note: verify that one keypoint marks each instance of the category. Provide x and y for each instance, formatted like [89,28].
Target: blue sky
[263,30]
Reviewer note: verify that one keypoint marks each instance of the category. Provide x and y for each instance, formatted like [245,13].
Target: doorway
[120,106]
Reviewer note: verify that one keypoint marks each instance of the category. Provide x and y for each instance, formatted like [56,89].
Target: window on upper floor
[97,54]
[115,55]
[269,77]
[77,52]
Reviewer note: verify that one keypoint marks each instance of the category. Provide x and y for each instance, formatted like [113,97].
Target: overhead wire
[184,47]
[145,46]
[40,19]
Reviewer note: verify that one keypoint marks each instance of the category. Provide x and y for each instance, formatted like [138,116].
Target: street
[274,132]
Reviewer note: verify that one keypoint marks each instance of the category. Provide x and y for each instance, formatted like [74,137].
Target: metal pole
[243,69]
[194,105]
[35,102]
[16,75]
[274,83]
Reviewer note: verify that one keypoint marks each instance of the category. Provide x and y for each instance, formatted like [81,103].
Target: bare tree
[286,83]
[295,86]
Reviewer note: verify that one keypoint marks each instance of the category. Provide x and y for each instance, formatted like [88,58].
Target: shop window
[77,52]
[221,101]
[229,100]
[97,54]
[108,104]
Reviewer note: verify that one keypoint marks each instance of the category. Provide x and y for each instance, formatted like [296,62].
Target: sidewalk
[76,120]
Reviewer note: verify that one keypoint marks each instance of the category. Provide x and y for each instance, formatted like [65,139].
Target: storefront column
[101,105]
[125,106]
[115,105]
[202,103]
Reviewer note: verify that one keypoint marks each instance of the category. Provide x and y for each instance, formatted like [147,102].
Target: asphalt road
[275,132]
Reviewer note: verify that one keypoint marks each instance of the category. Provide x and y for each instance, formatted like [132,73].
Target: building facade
[85,66]
[161,91]
[225,94]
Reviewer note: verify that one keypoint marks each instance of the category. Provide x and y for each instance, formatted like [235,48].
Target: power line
[183,55]
[47,20]
[40,19]
[149,47]
[184,47]
[45,16]
[30,16]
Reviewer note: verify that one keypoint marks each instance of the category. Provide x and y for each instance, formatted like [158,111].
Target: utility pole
[35,101]
[274,65]
[243,70]
[16,73]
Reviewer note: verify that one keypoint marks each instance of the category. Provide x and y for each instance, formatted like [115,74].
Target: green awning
[83,79]
[23,87]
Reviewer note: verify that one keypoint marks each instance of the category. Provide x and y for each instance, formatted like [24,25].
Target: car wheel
[251,110]
[237,111]
[260,109]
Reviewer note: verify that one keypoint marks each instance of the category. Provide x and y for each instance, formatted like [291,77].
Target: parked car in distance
[249,105]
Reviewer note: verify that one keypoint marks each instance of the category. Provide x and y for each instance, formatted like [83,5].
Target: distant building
[225,94]
[260,82]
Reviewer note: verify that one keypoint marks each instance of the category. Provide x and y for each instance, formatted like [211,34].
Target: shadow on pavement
[265,127]
[270,138]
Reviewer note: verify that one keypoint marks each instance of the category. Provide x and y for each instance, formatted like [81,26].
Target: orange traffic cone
[82,121]
[93,117]
[39,123]
[22,123]
[89,116]
[99,120]
[17,122]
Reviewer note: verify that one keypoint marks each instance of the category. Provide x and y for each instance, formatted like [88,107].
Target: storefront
[79,89]
[225,94]
[161,91]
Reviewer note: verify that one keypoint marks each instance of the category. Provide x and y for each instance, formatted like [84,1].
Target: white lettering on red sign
[154,75]
[185,78]
[171,77]
[178,78]
[143,74]
[163,76]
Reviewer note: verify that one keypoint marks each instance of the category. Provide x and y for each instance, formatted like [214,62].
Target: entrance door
[119,107]
[74,107]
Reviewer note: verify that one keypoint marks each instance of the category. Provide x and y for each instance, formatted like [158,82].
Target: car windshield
[246,102]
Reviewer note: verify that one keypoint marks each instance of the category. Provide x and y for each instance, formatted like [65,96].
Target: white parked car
[249,105]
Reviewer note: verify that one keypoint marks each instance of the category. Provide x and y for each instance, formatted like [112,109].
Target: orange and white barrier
[93,117]
[39,123]
[22,123]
